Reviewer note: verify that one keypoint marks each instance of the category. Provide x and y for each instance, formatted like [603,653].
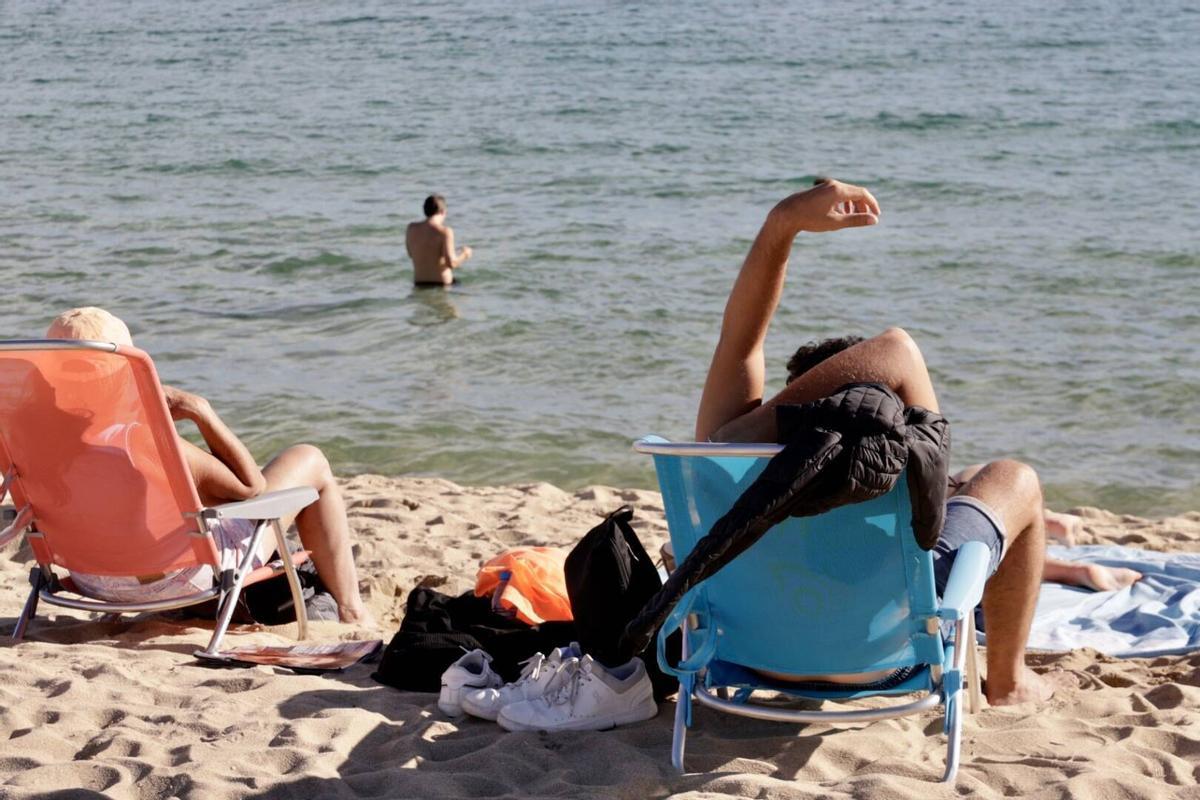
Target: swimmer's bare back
[431,247]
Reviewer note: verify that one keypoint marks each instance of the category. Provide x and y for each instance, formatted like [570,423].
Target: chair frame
[265,511]
[961,595]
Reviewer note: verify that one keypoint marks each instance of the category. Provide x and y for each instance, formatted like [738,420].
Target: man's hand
[829,206]
[467,252]
[185,405]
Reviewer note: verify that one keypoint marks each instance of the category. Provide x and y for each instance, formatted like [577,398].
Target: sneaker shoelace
[568,691]
[531,668]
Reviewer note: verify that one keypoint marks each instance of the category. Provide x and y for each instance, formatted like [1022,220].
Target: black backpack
[609,579]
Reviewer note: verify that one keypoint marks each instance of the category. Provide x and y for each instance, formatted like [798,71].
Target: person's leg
[323,526]
[1064,528]
[963,475]
[1012,491]
[1061,527]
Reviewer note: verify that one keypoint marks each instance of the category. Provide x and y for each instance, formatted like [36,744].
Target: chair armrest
[676,621]
[964,588]
[271,505]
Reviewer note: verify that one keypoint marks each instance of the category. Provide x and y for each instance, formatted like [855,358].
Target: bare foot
[357,616]
[1064,528]
[1099,578]
[1029,688]
[1096,577]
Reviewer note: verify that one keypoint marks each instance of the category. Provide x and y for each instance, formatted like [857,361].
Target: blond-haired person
[226,472]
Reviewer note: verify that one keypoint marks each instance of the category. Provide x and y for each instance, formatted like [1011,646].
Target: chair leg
[230,597]
[293,582]
[224,617]
[683,702]
[953,736]
[974,690]
[36,581]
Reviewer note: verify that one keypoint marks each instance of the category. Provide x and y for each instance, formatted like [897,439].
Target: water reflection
[433,305]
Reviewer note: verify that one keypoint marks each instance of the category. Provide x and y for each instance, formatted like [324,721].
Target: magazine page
[316,657]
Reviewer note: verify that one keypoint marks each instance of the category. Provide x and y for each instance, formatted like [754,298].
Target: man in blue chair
[1001,505]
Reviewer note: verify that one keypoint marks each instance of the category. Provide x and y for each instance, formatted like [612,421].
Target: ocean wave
[923,121]
[343,21]
[310,312]
[1185,127]
[511,147]
[322,261]
[152,250]
[230,165]
[1067,44]
[662,150]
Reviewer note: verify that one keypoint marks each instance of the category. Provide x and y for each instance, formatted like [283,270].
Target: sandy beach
[121,708]
[245,185]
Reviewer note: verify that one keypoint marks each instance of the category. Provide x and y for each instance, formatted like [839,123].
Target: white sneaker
[587,697]
[538,676]
[472,671]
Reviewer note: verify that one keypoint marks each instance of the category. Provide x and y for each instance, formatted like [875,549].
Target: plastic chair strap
[675,621]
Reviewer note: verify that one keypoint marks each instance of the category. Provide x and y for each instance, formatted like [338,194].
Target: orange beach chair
[92,462]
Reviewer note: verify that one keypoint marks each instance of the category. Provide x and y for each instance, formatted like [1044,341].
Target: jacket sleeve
[796,482]
[928,437]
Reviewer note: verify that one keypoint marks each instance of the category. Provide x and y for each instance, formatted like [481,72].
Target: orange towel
[537,590]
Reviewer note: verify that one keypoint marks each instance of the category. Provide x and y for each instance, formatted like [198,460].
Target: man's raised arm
[734,387]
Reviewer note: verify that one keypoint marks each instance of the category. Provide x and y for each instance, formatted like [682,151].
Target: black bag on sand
[438,628]
[270,602]
[610,577]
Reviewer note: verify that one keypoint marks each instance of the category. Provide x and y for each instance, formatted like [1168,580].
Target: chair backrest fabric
[846,591]
[86,429]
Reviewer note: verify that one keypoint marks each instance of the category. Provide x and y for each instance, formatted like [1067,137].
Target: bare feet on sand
[1030,687]
[1064,528]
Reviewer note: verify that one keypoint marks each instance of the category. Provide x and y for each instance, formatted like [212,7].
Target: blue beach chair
[846,592]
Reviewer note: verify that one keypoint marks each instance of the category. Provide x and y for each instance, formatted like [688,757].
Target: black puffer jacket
[846,448]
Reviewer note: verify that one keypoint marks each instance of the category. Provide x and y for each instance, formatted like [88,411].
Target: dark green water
[234,178]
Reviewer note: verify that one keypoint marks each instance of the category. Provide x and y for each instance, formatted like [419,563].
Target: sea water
[234,179]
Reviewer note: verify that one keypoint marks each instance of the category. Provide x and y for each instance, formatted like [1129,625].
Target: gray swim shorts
[968,519]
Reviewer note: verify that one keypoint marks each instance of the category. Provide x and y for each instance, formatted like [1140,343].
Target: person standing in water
[430,245]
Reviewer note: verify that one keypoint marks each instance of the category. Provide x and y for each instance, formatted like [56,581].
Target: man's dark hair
[813,353]
[435,204]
